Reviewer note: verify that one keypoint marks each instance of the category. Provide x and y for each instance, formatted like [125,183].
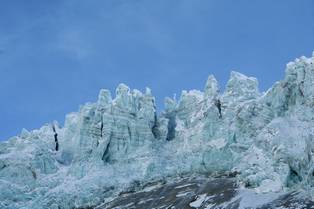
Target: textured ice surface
[108,146]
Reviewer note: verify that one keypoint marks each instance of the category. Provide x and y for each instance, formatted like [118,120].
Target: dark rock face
[203,193]
[178,194]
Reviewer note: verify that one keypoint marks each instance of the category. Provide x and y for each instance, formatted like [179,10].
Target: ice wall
[266,138]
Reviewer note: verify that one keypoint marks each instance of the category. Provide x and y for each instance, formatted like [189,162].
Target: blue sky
[56,55]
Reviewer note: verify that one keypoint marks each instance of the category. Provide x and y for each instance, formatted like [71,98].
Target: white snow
[199,201]
[218,143]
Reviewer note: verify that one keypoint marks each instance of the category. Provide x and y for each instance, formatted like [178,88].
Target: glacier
[264,139]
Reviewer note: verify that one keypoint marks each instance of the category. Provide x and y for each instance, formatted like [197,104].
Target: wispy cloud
[72,43]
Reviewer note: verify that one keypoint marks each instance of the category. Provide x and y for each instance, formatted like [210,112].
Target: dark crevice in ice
[106,155]
[56,137]
[171,126]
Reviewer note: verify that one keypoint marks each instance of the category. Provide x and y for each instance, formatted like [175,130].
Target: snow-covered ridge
[267,138]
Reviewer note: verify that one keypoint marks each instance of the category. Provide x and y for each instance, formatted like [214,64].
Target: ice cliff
[265,139]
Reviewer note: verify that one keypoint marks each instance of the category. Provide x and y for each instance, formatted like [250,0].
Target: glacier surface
[265,139]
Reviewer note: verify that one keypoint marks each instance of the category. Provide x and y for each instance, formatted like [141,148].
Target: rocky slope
[204,193]
[265,139]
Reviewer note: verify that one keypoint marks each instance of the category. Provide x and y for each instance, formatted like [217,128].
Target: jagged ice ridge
[265,138]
